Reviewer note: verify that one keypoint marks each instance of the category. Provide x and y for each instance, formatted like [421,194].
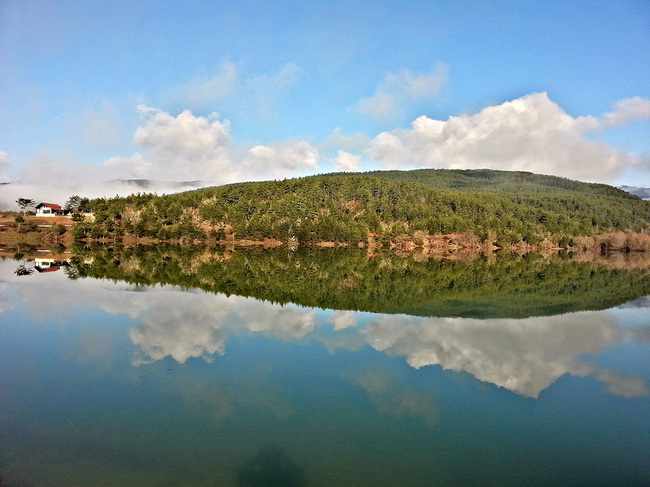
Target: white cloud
[189,147]
[345,161]
[400,90]
[628,110]
[531,133]
[181,148]
[185,147]
[281,158]
[4,165]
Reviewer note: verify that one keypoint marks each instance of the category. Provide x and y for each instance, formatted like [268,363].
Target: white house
[49,209]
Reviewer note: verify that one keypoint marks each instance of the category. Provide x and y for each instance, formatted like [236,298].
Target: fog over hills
[59,193]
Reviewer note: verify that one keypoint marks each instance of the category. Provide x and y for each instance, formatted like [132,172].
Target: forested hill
[505,182]
[502,207]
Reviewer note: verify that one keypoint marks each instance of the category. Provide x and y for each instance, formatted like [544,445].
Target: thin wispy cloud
[401,90]
[204,91]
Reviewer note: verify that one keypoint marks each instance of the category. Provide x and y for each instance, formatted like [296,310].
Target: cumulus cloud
[345,161]
[400,90]
[182,148]
[189,147]
[185,146]
[531,133]
[292,155]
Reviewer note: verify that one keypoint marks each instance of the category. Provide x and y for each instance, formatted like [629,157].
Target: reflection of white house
[48,265]
[49,209]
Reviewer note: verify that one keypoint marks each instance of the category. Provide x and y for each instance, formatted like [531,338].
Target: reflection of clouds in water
[524,356]
[621,384]
[283,323]
[189,325]
[4,304]
[223,401]
[643,302]
[343,319]
[395,400]
[179,325]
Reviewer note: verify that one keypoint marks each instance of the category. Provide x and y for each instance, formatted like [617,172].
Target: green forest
[498,207]
[497,286]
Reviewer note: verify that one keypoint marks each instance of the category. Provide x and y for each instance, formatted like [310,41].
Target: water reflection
[271,468]
[493,286]
[111,383]
[525,356]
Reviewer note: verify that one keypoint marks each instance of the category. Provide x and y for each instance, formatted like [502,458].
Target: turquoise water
[107,384]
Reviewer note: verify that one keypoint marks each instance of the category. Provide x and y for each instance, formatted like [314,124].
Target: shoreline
[421,243]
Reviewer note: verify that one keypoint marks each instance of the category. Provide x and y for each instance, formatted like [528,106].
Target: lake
[189,367]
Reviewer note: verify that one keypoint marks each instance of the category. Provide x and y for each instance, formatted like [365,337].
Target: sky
[97,91]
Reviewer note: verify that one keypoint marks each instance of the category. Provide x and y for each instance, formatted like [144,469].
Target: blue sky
[245,90]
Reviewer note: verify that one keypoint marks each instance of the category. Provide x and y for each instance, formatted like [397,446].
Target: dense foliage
[503,207]
[503,285]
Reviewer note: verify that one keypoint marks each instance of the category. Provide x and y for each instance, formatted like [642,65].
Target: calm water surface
[105,383]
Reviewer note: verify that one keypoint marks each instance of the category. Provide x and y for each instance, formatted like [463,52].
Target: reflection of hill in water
[270,468]
[502,285]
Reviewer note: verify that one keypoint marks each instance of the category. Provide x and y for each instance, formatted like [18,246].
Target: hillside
[494,206]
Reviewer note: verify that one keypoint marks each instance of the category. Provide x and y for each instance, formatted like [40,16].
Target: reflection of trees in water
[22,270]
[498,286]
[271,468]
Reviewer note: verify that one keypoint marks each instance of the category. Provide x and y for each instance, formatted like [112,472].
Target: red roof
[52,205]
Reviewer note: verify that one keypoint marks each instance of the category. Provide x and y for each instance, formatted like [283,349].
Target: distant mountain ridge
[643,193]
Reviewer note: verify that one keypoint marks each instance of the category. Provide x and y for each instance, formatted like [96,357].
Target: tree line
[500,206]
